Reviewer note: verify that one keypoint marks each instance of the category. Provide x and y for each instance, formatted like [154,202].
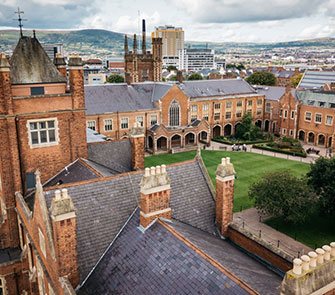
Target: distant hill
[103,42]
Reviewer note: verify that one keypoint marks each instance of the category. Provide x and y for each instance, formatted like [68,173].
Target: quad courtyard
[249,168]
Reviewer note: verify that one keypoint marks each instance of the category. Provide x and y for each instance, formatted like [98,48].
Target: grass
[249,168]
[315,232]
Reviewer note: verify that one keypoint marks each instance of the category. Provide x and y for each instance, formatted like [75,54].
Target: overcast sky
[202,20]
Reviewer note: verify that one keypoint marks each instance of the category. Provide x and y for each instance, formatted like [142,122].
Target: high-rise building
[173,41]
[196,59]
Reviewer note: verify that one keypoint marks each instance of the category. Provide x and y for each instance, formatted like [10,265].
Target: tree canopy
[171,68]
[194,76]
[295,80]
[115,78]
[262,78]
[247,130]
[280,194]
[321,178]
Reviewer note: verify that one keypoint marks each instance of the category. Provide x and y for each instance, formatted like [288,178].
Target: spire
[135,44]
[126,44]
[144,45]
[20,20]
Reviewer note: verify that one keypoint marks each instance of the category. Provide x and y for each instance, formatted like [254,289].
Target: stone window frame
[318,115]
[310,117]
[283,131]
[140,119]
[175,113]
[44,144]
[217,116]
[153,120]
[205,107]
[292,114]
[229,104]
[259,102]
[238,114]
[259,111]
[194,108]
[3,287]
[41,240]
[93,124]
[291,132]
[124,125]
[268,107]
[111,124]
[217,106]
[239,104]
[327,116]
[285,114]
[250,103]
[228,115]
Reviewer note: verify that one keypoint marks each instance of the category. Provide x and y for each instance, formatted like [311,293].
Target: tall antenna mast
[19,12]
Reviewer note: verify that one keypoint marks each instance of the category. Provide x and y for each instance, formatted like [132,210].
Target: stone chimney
[225,175]
[76,81]
[155,195]
[126,49]
[312,274]
[137,146]
[63,218]
[6,100]
[60,64]
[180,77]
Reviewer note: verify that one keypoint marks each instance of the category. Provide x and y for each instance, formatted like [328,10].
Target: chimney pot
[228,160]
[153,170]
[147,172]
[158,170]
[327,250]
[305,262]
[313,256]
[58,195]
[332,245]
[321,253]
[297,269]
[64,193]
[163,169]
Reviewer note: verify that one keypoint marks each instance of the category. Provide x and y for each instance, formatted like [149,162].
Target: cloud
[227,11]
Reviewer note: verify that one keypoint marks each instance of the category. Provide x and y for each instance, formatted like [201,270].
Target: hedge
[276,150]
[226,141]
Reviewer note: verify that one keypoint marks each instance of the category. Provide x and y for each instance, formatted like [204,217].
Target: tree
[247,130]
[115,78]
[321,178]
[194,76]
[280,194]
[172,68]
[262,78]
[295,80]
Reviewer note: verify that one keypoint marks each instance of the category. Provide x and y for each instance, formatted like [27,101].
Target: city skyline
[219,20]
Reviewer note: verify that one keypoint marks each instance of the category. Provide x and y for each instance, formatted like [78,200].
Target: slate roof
[30,64]
[317,99]
[155,262]
[115,155]
[314,79]
[111,98]
[103,207]
[248,269]
[93,136]
[226,87]
[271,92]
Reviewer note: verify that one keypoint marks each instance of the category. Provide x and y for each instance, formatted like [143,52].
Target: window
[291,132]
[193,118]
[281,113]
[217,116]
[249,103]
[329,120]
[228,115]
[91,125]
[308,116]
[36,90]
[284,131]
[3,290]
[259,111]
[238,114]
[318,118]
[194,108]
[124,123]
[239,104]
[259,102]
[292,114]
[153,120]
[268,107]
[205,107]
[217,106]
[43,132]
[205,117]
[41,241]
[285,113]
[228,105]
[139,120]
[174,113]
[108,124]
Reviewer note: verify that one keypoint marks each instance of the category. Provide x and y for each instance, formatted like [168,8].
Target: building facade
[194,59]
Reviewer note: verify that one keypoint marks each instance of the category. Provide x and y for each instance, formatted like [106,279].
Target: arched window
[174,113]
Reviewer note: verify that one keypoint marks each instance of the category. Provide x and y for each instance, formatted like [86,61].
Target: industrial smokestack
[144,45]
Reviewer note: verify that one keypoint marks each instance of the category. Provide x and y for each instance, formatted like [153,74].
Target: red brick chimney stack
[225,175]
[155,195]
[137,146]
[60,63]
[76,81]
[63,218]
[6,101]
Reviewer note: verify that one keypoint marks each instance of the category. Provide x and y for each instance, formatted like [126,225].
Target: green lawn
[249,167]
[315,232]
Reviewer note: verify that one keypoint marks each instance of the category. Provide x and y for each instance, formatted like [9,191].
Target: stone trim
[148,215]
[63,216]
[224,179]
[155,189]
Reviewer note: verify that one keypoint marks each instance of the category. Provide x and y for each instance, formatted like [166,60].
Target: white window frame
[315,121]
[268,107]
[237,104]
[153,116]
[259,111]
[194,108]
[284,131]
[229,104]
[259,102]
[140,119]
[111,120]
[41,240]
[327,116]
[285,114]
[124,118]
[238,114]
[44,144]
[230,116]
[292,114]
[306,116]
[217,106]
[91,121]
[205,107]
[217,116]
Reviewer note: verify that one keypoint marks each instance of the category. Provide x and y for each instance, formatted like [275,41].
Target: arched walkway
[162,143]
[321,139]
[203,136]
[236,126]
[150,143]
[273,127]
[190,139]
[216,131]
[227,130]
[311,137]
[266,125]
[258,123]
[330,141]
[175,141]
[301,135]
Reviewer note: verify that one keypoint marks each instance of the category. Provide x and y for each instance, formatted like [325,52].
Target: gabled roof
[112,98]
[156,262]
[314,79]
[30,64]
[103,206]
[271,92]
[226,87]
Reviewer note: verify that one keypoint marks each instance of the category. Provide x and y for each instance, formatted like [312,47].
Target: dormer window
[43,132]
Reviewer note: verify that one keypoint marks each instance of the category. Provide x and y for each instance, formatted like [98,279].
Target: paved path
[252,223]
[309,159]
